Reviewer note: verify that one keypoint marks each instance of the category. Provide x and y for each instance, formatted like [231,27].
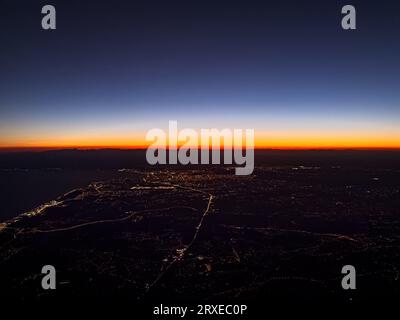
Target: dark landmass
[117,158]
[204,235]
[28,179]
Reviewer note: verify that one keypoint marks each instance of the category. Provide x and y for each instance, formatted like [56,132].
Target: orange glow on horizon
[263,140]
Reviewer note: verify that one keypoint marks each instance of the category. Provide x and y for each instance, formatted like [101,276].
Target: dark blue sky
[117,67]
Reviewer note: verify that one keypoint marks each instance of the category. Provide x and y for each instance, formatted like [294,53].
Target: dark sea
[24,189]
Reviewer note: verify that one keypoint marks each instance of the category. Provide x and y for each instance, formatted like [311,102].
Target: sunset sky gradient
[111,72]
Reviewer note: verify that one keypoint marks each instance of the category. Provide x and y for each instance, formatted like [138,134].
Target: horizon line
[260,148]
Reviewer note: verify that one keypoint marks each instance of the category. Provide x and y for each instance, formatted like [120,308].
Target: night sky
[114,69]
